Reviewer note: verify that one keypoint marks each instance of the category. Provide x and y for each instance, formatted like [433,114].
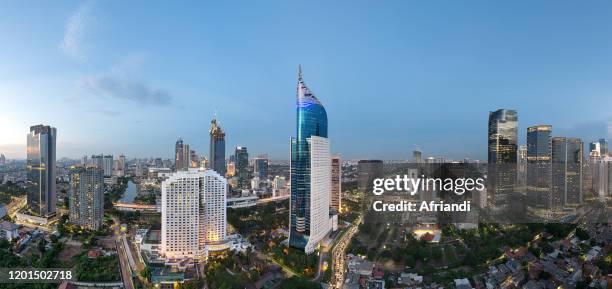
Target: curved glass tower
[310,177]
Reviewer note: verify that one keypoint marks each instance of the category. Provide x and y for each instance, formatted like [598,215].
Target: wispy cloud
[123,82]
[74,44]
[105,112]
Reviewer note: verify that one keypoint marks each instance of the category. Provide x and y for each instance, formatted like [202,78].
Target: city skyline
[108,93]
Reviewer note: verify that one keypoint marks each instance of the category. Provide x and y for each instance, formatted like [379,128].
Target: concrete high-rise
[310,172]
[40,168]
[120,166]
[502,155]
[336,183]
[567,164]
[105,162]
[217,147]
[539,157]
[193,214]
[86,196]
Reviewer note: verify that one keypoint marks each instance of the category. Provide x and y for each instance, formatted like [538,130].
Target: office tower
[193,214]
[522,166]
[502,155]
[179,155]
[86,196]
[367,171]
[260,167]
[310,173]
[84,160]
[217,147]
[231,169]
[107,165]
[194,160]
[566,171]
[603,147]
[241,157]
[41,199]
[120,166]
[595,147]
[539,166]
[182,155]
[336,183]
[417,156]
[2,160]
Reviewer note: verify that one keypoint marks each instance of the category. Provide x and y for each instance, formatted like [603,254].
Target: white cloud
[74,44]
[122,82]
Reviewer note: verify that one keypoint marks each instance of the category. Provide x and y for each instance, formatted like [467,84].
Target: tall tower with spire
[217,147]
[310,172]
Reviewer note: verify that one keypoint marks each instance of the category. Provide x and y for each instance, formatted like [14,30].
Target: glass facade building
[241,159]
[567,176]
[41,170]
[539,177]
[217,148]
[502,155]
[311,123]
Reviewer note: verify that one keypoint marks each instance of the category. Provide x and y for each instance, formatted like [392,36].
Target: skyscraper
[241,157]
[86,196]
[260,167]
[105,162]
[310,173]
[603,147]
[108,165]
[40,167]
[336,183]
[120,166]
[182,155]
[522,166]
[194,160]
[217,147]
[367,171]
[193,214]
[417,156]
[567,163]
[502,155]
[539,178]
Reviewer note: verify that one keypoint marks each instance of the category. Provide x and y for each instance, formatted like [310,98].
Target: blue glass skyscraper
[307,216]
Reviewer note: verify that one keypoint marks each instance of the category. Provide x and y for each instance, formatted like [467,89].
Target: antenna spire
[299,72]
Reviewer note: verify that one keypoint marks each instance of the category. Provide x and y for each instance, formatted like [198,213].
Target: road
[339,255]
[126,271]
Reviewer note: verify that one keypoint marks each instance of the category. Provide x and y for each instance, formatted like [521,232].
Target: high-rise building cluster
[549,170]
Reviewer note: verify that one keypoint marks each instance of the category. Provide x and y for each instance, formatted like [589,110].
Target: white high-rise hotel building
[193,214]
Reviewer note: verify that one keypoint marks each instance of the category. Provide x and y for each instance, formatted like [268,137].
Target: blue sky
[130,77]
